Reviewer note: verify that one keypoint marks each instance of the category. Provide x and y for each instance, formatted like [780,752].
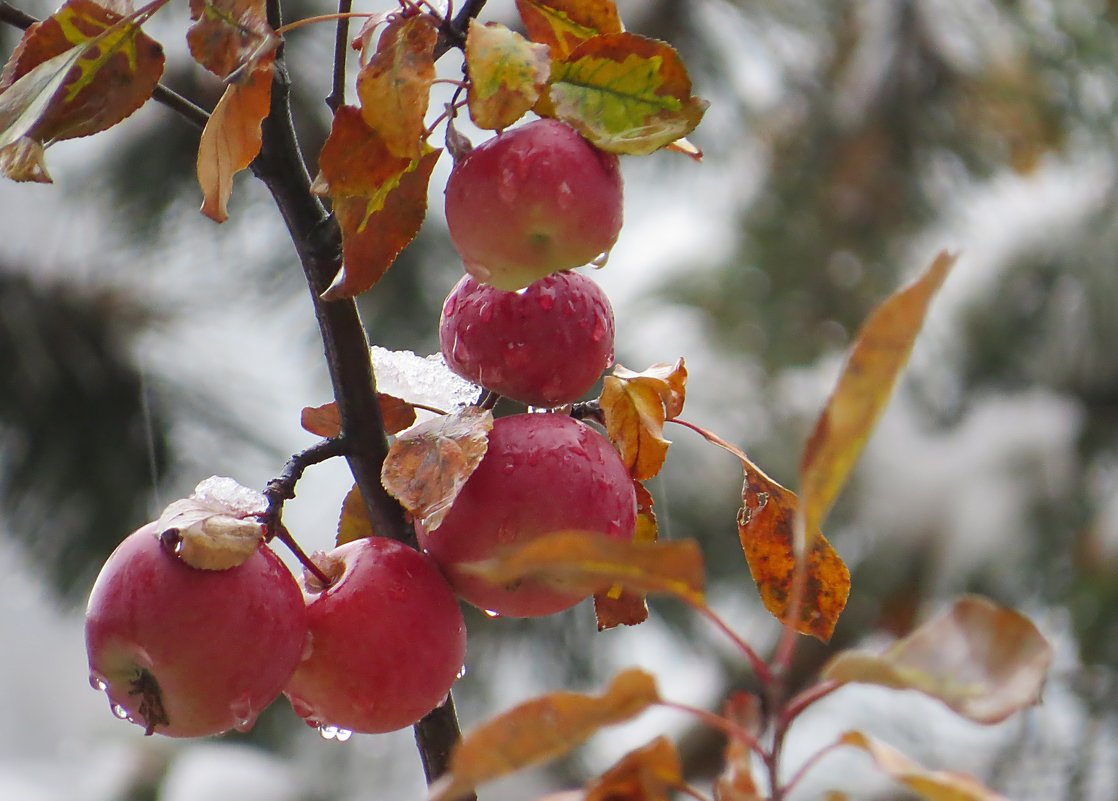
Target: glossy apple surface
[187,652]
[542,473]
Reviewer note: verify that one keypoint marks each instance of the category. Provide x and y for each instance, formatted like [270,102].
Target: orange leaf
[984,661]
[541,730]
[507,74]
[618,606]
[875,362]
[427,466]
[934,785]
[635,406]
[562,25]
[353,522]
[650,773]
[78,72]
[587,561]
[230,35]
[766,528]
[380,199]
[232,137]
[395,86]
[326,421]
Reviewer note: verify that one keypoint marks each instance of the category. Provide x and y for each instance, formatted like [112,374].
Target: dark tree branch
[336,98]
[453,32]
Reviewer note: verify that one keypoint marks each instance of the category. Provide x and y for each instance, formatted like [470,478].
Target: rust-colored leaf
[618,606]
[933,785]
[395,85]
[736,781]
[650,773]
[507,74]
[380,200]
[82,70]
[230,35]
[232,137]
[983,660]
[397,413]
[589,562]
[541,730]
[326,420]
[879,354]
[635,406]
[353,522]
[563,25]
[766,528]
[427,466]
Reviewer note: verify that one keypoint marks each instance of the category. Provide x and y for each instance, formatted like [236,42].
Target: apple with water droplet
[531,201]
[188,652]
[542,473]
[387,639]
[543,346]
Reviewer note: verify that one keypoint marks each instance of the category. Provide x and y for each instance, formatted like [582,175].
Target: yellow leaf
[635,406]
[650,773]
[353,522]
[507,74]
[618,606]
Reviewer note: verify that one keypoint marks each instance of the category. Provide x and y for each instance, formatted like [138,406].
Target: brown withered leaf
[618,606]
[507,74]
[540,730]
[652,772]
[875,362]
[766,528]
[587,561]
[230,35]
[933,785]
[80,71]
[326,420]
[736,781]
[563,25]
[395,85]
[982,660]
[217,527]
[427,466]
[232,137]
[379,199]
[353,522]
[635,406]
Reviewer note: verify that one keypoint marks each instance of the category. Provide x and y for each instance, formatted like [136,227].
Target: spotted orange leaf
[230,35]
[618,606]
[652,772]
[564,24]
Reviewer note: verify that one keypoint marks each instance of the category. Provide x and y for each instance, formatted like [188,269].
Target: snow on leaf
[422,379]
[618,606]
[507,74]
[766,529]
[229,36]
[652,772]
[353,521]
[589,562]
[395,85]
[217,527]
[635,406]
[428,465]
[875,362]
[540,730]
[982,660]
[625,93]
[78,72]
[232,137]
[379,199]
[562,25]
[933,785]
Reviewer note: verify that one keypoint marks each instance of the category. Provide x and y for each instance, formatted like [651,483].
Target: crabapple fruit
[531,201]
[387,639]
[187,652]
[542,473]
[544,346]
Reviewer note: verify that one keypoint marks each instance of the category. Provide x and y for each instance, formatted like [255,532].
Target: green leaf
[507,74]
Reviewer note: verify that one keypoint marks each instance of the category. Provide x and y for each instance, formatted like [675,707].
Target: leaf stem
[343,16]
[727,727]
[760,669]
[283,535]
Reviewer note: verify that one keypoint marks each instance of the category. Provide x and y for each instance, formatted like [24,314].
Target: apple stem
[283,535]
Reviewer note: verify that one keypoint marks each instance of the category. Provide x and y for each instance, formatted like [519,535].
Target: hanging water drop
[341,735]
[98,682]
[461,674]
[491,613]
[120,712]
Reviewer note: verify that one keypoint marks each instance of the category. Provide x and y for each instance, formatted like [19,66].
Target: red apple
[542,473]
[544,346]
[387,639]
[531,201]
[187,652]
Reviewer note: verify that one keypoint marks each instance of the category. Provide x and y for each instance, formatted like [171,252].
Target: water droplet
[120,711]
[600,260]
[341,735]
[565,196]
[486,310]
[491,613]
[522,291]
[98,682]
[546,301]
[599,330]
[328,732]
[461,673]
[450,306]
[243,713]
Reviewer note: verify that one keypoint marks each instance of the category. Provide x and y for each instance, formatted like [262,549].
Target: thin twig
[336,98]
[282,488]
[284,536]
[453,32]
[727,727]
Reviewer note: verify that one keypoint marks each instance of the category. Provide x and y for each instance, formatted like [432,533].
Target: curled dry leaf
[541,730]
[216,528]
[766,528]
[563,25]
[635,406]
[394,86]
[618,606]
[427,467]
[983,660]
[876,360]
[586,561]
[652,772]
[230,35]
[933,785]
[507,74]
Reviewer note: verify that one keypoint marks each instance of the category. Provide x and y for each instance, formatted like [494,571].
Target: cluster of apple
[187,652]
